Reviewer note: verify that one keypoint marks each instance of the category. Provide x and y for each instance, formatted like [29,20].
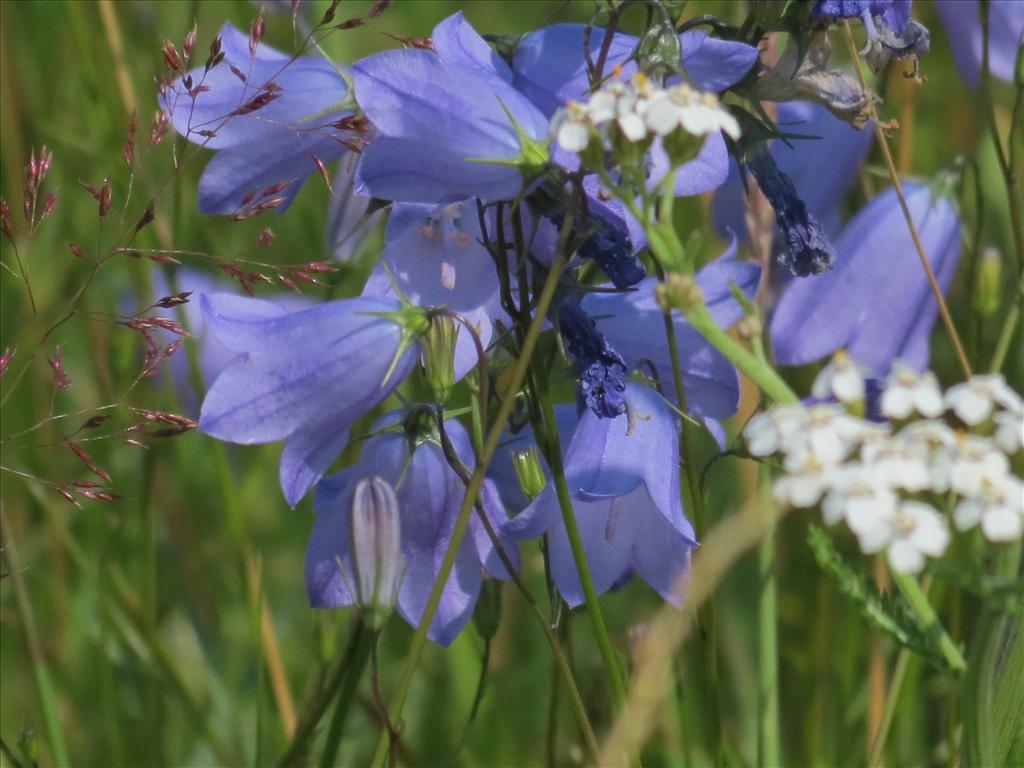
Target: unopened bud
[749,327]
[439,356]
[487,615]
[376,549]
[529,472]
[988,288]
[679,292]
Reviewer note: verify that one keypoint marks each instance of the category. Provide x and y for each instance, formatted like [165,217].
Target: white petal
[904,558]
[1001,523]
[573,136]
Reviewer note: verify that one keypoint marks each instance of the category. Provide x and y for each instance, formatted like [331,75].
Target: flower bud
[988,286]
[487,615]
[376,549]
[439,356]
[679,292]
[529,472]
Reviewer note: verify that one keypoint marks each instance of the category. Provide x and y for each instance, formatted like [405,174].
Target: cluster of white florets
[639,110]
[889,481]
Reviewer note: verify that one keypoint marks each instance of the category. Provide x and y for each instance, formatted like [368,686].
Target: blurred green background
[131,631]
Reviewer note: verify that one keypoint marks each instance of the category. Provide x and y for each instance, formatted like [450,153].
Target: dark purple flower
[633,324]
[822,168]
[301,376]
[962,20]
[602,371]
[429,495]
[624,480]
[438,114]
[807,249]
[259,148]
[876,303]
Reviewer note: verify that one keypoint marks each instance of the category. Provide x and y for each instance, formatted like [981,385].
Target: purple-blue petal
[876,303]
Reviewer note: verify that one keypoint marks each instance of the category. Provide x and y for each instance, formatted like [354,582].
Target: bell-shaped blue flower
[429,494]
[822,168]
[632,324]
[440,113]
[301,376]
[895,13]
[962,20]
[259,148]
[436,258]
[623,476]
[876,303]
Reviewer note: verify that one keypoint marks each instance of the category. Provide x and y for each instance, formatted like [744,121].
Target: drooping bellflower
[962,20]
[436,258]
[876,303]
[429,494]
[301,376]
[449,121]
[623,478]
[633,325]
[807,249]
[270,118]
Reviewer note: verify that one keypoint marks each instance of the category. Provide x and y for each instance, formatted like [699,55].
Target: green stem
[693,502]
[579,554]
[363,641]
[756,370]
[892,696]
[297,747]
[929,622]
[768,753]
[1009,329]
[522,363]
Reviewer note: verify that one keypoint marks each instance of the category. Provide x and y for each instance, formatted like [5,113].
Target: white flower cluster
[888,481]
[640,109]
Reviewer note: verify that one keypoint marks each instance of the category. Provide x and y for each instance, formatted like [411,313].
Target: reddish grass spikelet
[256,32]
[173,301]
[129,142]
[86,459]
[321,266]
[288,283]
[424,43]
[216,54]
[171,58]
[266,238]
[238,73]
[86,484]
[165,417]
[162,258]
[378,8]
[256,103]
[323,173]
[160,127]
[134,443]
[5,220]
[328,16]
[5,360]
[61,380]
[300,274]
[96,420]
[105,198]
[76,250]
[275,188]
[147,216]
[68,497]
[190,42]
[169,432]
[100,495]
[48,205]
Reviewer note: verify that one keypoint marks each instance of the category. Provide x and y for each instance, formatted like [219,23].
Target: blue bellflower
[259,149]
[436,259]
[822,169]
[303,377]
[962,20]
[429,495]
[601,370]
[807,249]
[622,473]
[437,114]
[895,13]
[633,324]
[876,303]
